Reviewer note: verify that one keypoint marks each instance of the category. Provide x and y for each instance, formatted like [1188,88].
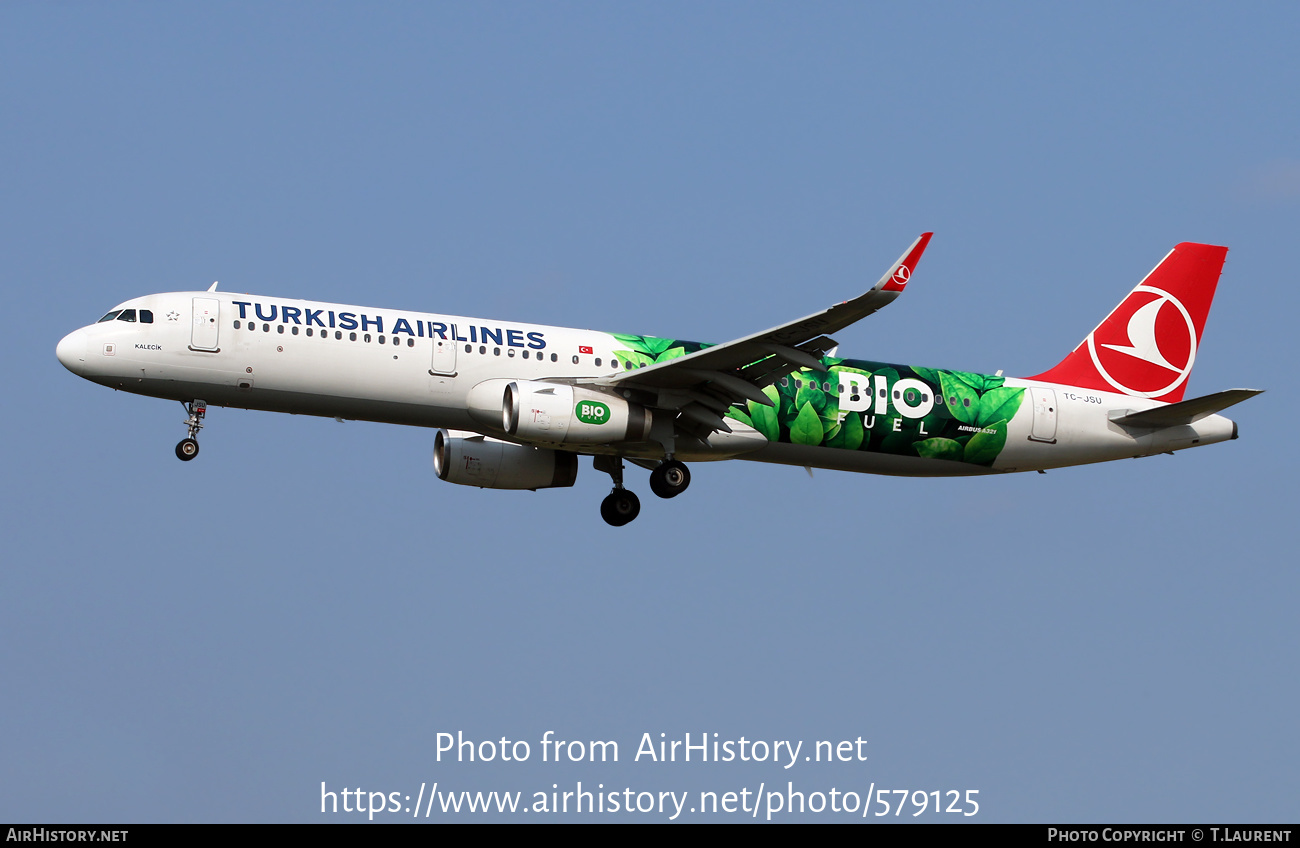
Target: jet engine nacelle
[559,413]
[470,459]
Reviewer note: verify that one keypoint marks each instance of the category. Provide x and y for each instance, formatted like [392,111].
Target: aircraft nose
[72,351]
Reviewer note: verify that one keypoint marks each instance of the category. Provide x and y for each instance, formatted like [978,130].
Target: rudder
[1147,345]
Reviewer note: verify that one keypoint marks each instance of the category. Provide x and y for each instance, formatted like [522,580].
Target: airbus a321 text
[516,404]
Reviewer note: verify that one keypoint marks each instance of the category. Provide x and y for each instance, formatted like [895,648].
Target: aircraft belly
[865,462]
[384,411]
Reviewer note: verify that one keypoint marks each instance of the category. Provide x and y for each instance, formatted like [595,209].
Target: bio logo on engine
[592,412]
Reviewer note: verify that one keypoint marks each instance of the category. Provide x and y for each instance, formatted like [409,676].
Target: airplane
[515,405]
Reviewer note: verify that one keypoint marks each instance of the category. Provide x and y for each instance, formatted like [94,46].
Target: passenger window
[294,330]
[367,338]
[410,342]
[279,328]
[469,348]
[266,328]
[554,358]
[510,352]
[597,361]
[352,337]
[237,324]
[127,315]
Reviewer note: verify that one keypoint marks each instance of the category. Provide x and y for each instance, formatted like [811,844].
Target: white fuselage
[419,369]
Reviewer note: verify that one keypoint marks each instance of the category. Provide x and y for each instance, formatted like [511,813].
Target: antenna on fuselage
[213,287]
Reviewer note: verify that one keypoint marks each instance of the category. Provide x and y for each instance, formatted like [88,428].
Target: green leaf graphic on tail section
[940,449]
[809,395]
[845,369]
[898,441]
[807,427]
[740,415]
[764,417]
[984,447]
[978,382]
[647,350]
[655,346]
[999,405]
[806,413]
[633,342]
[927,374]
[764,421]
[635,357]
[850,435]
[961,399]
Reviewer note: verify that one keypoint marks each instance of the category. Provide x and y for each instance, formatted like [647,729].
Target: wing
[704,384]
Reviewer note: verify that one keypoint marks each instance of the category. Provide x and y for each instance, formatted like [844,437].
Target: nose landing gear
[188,448]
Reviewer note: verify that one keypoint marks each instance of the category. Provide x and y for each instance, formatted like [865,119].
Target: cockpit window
[146,316]
[126,315]
[109,317]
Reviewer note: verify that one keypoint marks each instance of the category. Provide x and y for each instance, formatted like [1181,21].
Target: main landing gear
[620,506]
[188,447]
[668,480]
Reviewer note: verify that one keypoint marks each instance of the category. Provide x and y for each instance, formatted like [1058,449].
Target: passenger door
[207,324]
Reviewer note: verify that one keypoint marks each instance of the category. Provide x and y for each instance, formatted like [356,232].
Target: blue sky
[307,603]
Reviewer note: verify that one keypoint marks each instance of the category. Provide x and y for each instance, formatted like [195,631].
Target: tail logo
[1139,357]
[902,275]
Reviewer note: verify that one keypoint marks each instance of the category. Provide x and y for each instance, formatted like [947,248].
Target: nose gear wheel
[188,447]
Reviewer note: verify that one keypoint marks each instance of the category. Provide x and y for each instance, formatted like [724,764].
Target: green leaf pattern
[968,422]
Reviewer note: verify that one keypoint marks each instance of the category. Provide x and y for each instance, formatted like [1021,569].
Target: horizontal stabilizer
[1183,412]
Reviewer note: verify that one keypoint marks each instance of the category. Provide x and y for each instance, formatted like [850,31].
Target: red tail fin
[1147,345]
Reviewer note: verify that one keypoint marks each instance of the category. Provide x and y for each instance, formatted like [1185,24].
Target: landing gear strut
[188,447]
[670,479]
[620,506]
